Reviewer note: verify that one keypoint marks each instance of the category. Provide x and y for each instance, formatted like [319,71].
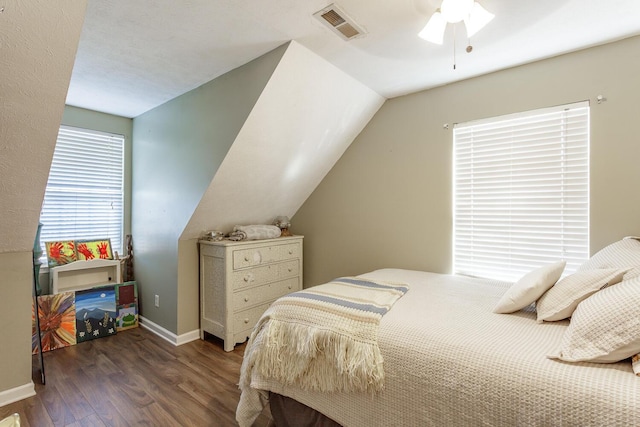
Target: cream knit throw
[323,338]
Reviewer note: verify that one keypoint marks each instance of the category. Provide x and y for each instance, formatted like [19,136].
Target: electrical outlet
[157,301]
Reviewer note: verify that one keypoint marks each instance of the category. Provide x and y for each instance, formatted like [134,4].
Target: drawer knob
[289,286]
[246,320]
[246,278]
[289,269]
[246,299]
[290,252]
[246,258]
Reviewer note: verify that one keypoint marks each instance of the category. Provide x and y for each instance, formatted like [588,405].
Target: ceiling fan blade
[477,19]
[434,30]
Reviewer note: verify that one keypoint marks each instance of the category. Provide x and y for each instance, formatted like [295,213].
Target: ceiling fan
[475,17]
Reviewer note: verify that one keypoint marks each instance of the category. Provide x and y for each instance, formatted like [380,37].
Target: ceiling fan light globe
[456,10]
[434,30]
[477,19]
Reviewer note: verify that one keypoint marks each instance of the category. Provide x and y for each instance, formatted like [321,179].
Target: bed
[449,360]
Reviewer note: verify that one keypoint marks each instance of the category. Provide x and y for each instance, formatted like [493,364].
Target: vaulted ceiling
[135,55]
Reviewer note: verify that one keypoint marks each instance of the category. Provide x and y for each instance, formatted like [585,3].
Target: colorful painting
[127,317]
[127,303]
[95,313]
[57,314]
[61,252]
[94,249]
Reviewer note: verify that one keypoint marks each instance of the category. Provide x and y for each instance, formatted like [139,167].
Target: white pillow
[605,328]
[561,300]
[621,254]
[529,288]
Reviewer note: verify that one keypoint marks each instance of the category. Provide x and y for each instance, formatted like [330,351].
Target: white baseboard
[188,337]
[168,335]
[17,393]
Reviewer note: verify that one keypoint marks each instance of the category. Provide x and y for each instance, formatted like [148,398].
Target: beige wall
[15,331]
[387,202]
[188,286]
[38,42]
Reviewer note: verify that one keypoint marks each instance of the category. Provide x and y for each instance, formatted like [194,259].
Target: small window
[85,191]
[521,192]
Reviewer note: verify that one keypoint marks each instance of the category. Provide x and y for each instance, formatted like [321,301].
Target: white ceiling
[136,55]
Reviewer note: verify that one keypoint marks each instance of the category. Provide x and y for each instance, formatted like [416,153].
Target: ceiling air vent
[339,22]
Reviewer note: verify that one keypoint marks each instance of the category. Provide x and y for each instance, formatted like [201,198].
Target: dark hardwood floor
[135,378]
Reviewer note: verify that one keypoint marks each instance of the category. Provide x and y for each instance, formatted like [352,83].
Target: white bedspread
[450,361]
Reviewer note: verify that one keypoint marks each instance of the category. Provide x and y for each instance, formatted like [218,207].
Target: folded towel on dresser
[254,232]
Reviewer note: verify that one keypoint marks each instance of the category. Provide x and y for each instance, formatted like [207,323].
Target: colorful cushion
[561,300]
[604,328]
[529,288]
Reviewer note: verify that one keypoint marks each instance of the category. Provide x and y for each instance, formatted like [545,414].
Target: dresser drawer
[264,274]
[239,280]
[248,318]
[243,258]
[264,293]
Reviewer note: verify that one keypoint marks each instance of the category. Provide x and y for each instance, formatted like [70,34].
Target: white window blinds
[84,195]
[521,185]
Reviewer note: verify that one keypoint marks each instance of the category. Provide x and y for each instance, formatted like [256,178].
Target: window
[521,192]
[84,195]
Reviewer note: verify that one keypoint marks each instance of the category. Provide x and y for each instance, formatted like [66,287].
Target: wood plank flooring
[136,378]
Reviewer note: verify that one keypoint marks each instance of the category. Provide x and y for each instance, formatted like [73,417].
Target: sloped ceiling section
[304,120]
[38,43]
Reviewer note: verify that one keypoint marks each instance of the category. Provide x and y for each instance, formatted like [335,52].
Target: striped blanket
[323,338]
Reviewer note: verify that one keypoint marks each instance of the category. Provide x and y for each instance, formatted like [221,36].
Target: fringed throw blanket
[324,338]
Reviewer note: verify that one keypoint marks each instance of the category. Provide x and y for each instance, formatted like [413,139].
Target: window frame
[65,180]
[577,156]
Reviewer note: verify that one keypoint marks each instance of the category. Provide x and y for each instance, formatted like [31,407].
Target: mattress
[449,360]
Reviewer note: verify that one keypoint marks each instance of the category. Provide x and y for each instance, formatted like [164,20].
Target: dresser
[239,280]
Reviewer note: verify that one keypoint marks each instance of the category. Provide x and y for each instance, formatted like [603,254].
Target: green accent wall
[177,150]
